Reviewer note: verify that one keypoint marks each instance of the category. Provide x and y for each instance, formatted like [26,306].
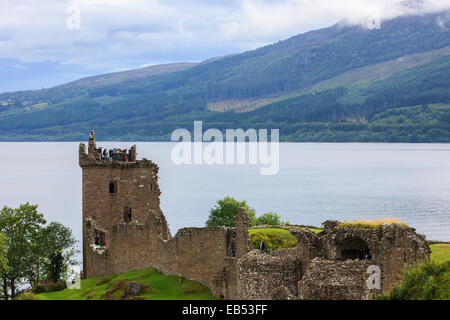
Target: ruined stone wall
[269,277]
[243,242]
[195,253]
[336,280]
[391,247]
[308,246]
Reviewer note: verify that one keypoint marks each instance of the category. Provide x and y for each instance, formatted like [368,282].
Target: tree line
[31,250]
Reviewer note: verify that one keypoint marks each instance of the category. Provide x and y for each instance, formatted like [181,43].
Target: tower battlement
[99,157]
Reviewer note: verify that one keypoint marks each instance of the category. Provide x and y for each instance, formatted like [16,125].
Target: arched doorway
[352,249]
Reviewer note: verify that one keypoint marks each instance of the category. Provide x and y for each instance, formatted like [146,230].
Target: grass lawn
[315,230]
[155,286]
[440,252]
[274,238]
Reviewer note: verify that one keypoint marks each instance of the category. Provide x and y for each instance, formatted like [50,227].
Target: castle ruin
[124,229]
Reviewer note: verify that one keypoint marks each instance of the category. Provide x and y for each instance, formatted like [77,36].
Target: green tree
[58,249]
[269,218]
[3,257]
[225,211]
[22,227]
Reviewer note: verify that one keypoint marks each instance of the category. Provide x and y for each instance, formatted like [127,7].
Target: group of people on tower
[115,154]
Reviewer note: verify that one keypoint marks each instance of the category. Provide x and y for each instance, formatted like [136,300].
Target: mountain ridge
[322,74]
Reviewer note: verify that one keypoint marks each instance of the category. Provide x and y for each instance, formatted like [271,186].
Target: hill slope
[154,286]
[332,84]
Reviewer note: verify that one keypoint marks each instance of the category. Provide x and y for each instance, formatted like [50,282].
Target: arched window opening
[127,215]
[352,249]
[99,238]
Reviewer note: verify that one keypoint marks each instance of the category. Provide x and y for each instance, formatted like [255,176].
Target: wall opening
[127,214]
[113,187]
[99,238]
[352,249]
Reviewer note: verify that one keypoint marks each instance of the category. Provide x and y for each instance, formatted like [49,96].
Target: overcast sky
[48,42]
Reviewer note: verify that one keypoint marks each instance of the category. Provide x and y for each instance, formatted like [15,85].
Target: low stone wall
[336,280]
[269,277]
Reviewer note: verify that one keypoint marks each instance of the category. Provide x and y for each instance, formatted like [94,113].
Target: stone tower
[116,191]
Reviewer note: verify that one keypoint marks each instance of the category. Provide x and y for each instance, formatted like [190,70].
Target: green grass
[274,238]
[315,230]
[440,252]
[429,280]
[370,224]
[154,284]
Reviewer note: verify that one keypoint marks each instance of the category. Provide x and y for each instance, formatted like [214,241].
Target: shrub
[429,280]
[273,238]
[225,211]
[25,296]
[49,287]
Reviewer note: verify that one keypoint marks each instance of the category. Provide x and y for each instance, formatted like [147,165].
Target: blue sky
[49,42]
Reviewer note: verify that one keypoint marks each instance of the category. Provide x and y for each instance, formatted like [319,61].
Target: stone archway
[352,249]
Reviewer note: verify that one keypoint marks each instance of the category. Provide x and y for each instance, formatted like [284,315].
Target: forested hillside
[342,83]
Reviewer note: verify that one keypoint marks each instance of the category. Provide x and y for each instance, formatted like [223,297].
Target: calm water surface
[315,182]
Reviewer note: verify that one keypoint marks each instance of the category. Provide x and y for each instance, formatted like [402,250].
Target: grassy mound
[274,238]
[371,224]
[153,286]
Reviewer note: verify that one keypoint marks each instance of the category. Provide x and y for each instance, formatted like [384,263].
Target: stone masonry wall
[391,247]
[336,280]
[195,253]
[269,277]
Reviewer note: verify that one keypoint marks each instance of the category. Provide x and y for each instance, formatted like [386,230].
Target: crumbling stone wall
[336,280]
[390,247]
[308,246]
[269,277]
[194,253]
[243,242]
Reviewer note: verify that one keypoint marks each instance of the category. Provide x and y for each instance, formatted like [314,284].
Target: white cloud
[19,66]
